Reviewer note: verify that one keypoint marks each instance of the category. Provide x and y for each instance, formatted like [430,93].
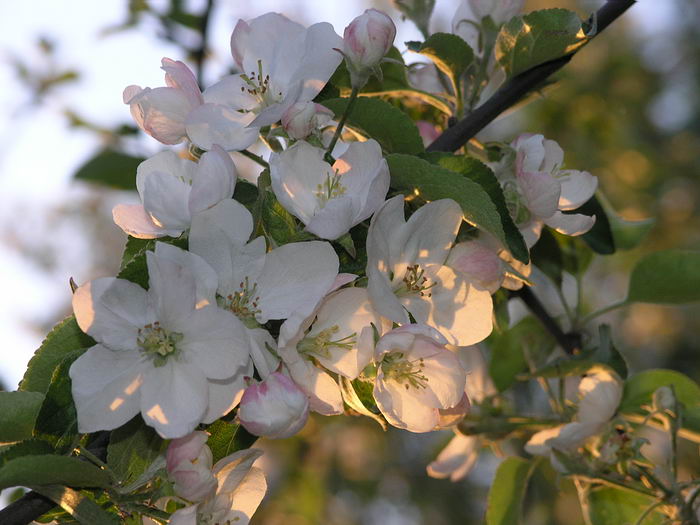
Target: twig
[514,89]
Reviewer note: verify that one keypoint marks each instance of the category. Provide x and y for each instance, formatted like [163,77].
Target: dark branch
[570,342]
[200,53]
[517,87]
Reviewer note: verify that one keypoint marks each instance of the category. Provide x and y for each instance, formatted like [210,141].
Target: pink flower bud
[365,42]
[189,464]
[274,408]
[303,118]
[479,263]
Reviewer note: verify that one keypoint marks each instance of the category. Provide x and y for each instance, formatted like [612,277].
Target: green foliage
[226,438]
[629,234]
[608,506]
[666,277]
[538,37]
[18,411]
[45,469]
[414,176]
[133,266]
[278,224]
[449,53]
[640,388]
[78,505]
[508,490]
[245,192]
[388,125]
[606,352]
[28,447]
[600,237]
[133,447]
[65,337]
[478,172]
[547,256]
[110,168]
[418,11]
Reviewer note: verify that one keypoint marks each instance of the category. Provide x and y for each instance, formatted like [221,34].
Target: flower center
[405,372]
[415,281]
[259,87]
[243,303]
[322,343]
[518,211]
[158,343]
[329,189]
[215,519]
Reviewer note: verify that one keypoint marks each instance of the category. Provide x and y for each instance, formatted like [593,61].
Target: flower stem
[339,129]
[602,311]
[255,158]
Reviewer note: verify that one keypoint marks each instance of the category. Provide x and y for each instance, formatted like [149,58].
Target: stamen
[157,343]
[244,302]
[329,188]
[322,343]
[405,372]
[414,281]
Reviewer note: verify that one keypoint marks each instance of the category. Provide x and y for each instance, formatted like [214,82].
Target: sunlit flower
[408,275]
[366,40]
[160,351]
[172,190]
[189,463]
[330,200]
[240,489]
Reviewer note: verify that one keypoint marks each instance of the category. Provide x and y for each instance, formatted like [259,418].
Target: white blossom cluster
[197,343]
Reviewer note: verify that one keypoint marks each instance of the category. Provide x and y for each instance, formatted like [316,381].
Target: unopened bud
[365,42]
[189,464]
[274,408]
[303,118]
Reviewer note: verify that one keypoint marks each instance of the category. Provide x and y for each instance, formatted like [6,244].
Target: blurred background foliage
[627,109]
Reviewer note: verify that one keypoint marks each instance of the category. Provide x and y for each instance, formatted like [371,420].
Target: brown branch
[517,87]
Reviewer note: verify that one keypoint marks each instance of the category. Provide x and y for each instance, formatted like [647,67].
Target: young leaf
[482,175]
[65,337]
[629,234]
[414,176]
[28,447]
[607,505]
[82,508]
[449,53]
[18,411]
[45,469]
[640,388]
[388,125]
[507,492]
[666,277]
[226,438]
[537,37]
[111,168]
[132,449]
[600,237]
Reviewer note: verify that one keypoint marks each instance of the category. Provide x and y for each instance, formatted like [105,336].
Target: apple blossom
[407,272]
[416,377]
[181,111]
[366,40]
[189,463]
[330,200]
[304,118]
[172,190]
[239,491]
[280,62]
[158,352]
[274,408]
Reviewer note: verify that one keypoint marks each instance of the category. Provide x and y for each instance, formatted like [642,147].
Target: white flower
[537,190]
[407,272]
[601,392]
[180,111]
[416,377]
[457,459]
[330,200]
[366,40]
[281,63]
[274,408]
[160,351]
[304,118]
[189,463]
[172,190]
[240,489]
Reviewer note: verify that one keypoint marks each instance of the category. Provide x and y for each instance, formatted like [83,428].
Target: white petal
[111,311]
[540,191]
[430,232]
[225,394]
[324,393]
[247,496]
[174,398]
[185,516]
[228,92]
[232,470]
[172,290]
[211,124]
[456,459]
[135,221]
[214,180]
[164,162]
[570,223]
[530,153]
[553,156]
[261,344]
[161,112]
[576,188]
[206,280]
[540,442]
[403,411]
[178,75]
[334,220]
[602,392]
[106,387]
[165,198]
[478,384]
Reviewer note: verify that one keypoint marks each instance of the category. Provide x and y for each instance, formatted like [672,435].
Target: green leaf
[568,367]
[278,223]
[18,411]
[414,176]
[538,37]
[78,505]
[629,234]
[478,172]
[111,168]
[28,447]
[388,125]
[449,53]
[640,388]
[508,490]
[133,447]
[57,421]
[609,506]
[64,338]
[226,438]
[600,237]
[245,193]
[607,353]
[666,277]
[547,256]
[418,11]
[45,469]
